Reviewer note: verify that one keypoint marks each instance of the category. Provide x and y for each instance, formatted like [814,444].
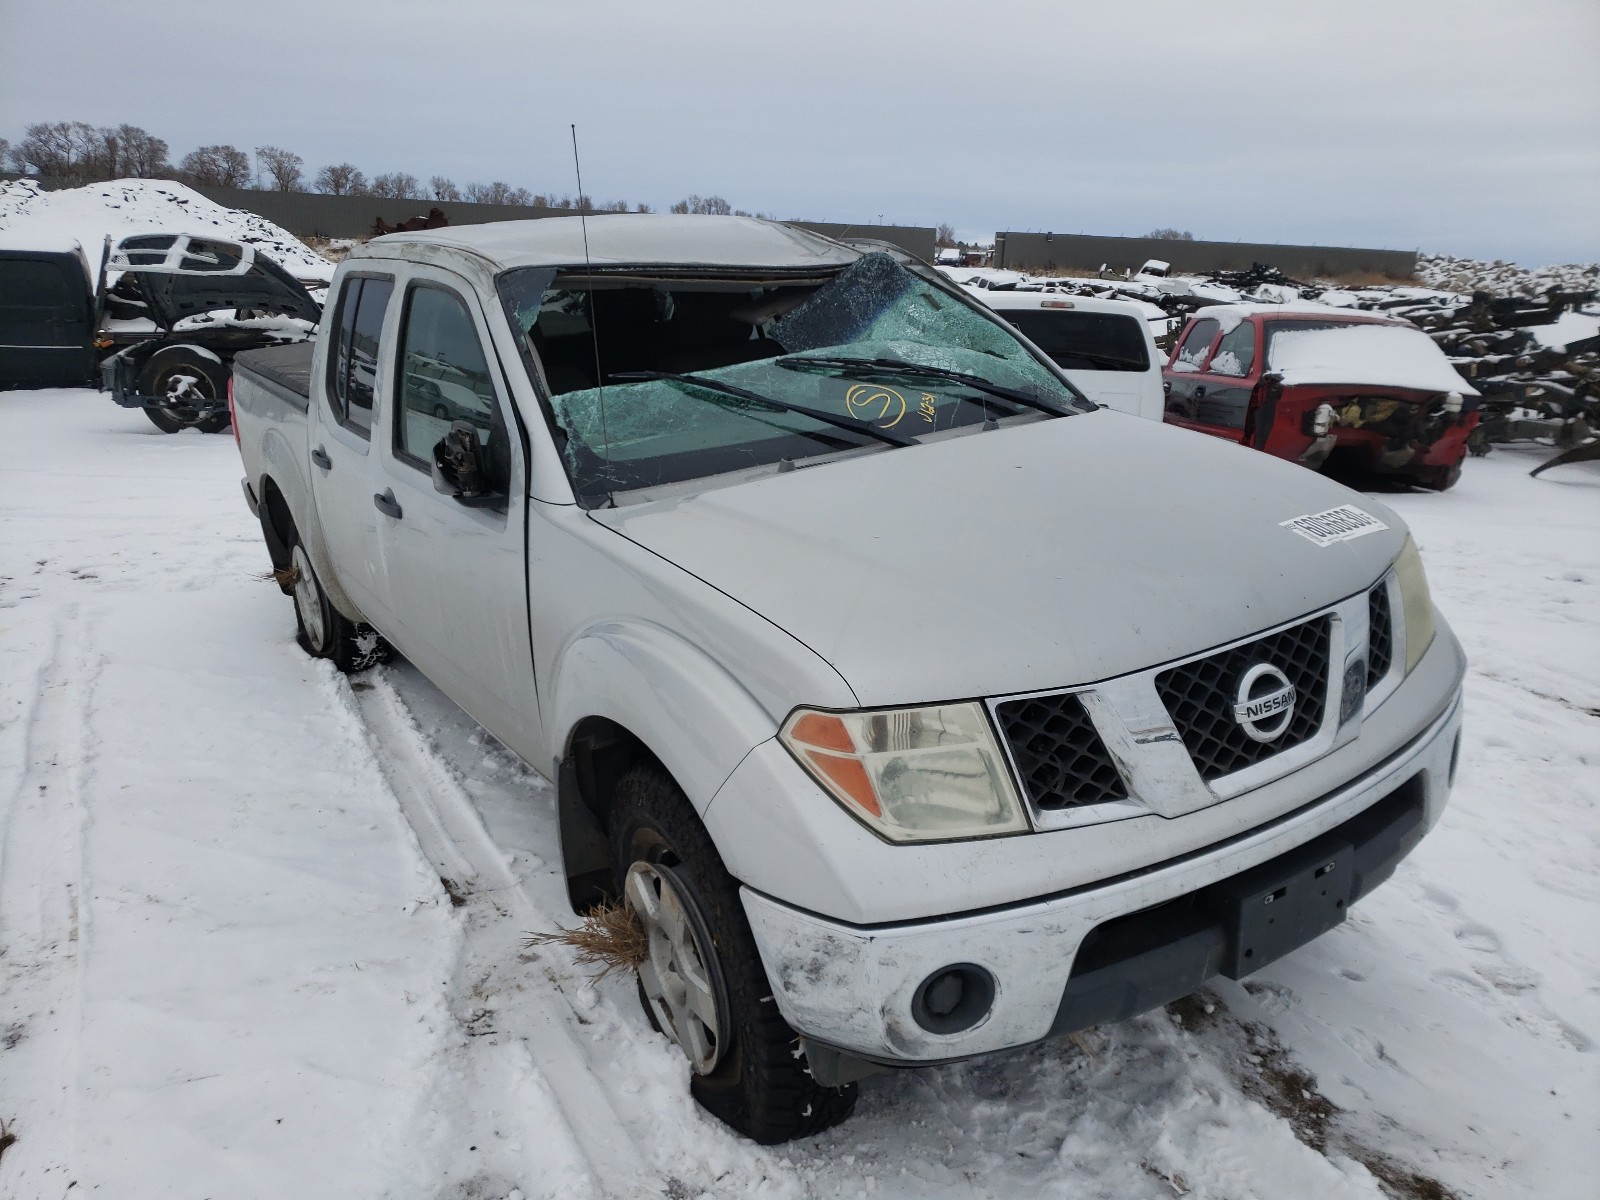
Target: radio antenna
[594,317]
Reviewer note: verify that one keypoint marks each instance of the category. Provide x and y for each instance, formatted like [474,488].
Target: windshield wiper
[816,414]
[896,366]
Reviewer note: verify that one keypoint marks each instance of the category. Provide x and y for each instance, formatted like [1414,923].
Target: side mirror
[461,468]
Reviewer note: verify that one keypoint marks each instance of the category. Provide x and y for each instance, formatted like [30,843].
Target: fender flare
[652,692]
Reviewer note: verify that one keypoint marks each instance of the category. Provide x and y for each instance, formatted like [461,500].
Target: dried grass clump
[611,937]
[284,577]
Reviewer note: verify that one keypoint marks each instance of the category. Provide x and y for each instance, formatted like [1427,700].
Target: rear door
[46,321]
[456,572]
[342,466]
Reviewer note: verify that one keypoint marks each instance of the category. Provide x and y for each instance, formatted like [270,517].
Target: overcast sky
[1450,125]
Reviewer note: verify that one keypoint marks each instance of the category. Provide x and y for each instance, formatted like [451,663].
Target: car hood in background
[1042,555]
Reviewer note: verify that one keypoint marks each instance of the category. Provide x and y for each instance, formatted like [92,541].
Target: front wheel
[702,982]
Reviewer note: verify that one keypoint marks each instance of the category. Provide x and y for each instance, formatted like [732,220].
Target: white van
[1106,347]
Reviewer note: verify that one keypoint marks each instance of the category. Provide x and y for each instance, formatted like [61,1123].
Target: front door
[1213,378]
[456,577]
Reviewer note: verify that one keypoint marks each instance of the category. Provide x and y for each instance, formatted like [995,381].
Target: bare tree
[644,208]
[497,192]
[443,189]
[216,166]
[283,166]
[69,150]
[5,151]
[341,179]
[1171,235]
[397,185]
[712,205]
[945,235]
[135,153]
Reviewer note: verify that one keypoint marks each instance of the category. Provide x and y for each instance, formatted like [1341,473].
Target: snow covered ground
[230,967]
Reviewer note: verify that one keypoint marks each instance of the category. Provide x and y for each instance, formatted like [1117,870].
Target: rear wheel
[703,984]
[190,385]
[321,629]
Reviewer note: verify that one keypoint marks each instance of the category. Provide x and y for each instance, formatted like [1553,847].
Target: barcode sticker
[1335,525]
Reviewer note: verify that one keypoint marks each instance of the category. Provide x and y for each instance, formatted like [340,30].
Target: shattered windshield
[648,340]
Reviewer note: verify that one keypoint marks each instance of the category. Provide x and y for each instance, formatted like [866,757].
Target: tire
[182,371]
[1438,479]
[755,1081]
[322,630]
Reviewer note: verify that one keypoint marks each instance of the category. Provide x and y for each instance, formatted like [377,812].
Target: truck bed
[287,368]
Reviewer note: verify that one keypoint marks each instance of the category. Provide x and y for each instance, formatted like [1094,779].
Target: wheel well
[277,526]
[599,752]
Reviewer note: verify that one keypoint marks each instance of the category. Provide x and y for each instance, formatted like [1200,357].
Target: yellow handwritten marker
[926,408]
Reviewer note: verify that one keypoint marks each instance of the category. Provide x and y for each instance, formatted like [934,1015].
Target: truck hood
[1037,556]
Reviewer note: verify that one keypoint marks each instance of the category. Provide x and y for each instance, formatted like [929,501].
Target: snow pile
[1503,278]
[32,217]
[1364,355]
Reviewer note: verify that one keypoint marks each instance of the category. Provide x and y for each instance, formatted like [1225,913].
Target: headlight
[911,774]
[1415,603]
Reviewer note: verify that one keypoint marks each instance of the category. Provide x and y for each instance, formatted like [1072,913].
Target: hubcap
[678,975]
[307,599]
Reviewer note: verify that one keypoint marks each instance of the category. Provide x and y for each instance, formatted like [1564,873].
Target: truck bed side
[271,404]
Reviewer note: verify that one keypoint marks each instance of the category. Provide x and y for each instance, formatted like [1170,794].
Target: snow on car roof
[1369,354]
[631,239]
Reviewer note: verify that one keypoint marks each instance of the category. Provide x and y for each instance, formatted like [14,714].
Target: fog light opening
[953,998]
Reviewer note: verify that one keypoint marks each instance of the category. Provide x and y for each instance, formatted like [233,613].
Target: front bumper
[851,988]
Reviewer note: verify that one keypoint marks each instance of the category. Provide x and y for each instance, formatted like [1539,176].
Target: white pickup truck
[918,707]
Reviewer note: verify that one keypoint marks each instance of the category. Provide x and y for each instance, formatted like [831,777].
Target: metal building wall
[1044,251]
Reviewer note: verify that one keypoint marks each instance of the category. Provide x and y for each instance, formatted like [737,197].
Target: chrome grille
[1380,635]
[1200,695]
[1059,755]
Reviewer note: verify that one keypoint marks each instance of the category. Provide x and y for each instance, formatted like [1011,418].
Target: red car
[1323,388]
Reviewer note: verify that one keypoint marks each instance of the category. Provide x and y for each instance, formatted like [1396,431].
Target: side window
[364,353]
[1236,352]
[1192,351]
[353,359]
[443,375]
[339,351]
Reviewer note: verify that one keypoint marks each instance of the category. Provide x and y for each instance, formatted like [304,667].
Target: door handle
[1199,390]
[320,457]
[385,503]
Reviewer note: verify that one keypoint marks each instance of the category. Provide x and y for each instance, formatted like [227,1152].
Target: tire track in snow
[576,1111]
[43,919]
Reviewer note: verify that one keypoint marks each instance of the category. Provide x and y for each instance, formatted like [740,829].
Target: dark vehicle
[183,284]
[1324,389]
[48,318]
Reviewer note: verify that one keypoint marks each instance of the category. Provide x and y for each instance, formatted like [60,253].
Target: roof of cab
[627,239]
[1002,301]
[1296,312]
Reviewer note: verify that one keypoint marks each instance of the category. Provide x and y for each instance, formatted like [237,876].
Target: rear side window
[1192,350]
[1236,352]
[443,374]
[1084,341]
[353,360]
[32,283]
